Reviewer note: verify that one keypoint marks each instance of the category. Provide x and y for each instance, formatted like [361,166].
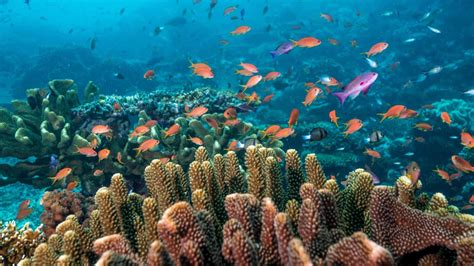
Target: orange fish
[249,67]
[212,122]
[293,117]
[462,164]
[149,75]
[139,131]
[224,42]
[232,122]
[333,41]
[471,199]
[98,172]
[151,123]
[446,118]
[253,81]
[267,98]
[72,185]
[165,160]
[423,127]
[284,133]
[207,74]
[393,112]
[94,143]
[241,30]
[233,146]
[24,204]
[413,172]
[230,9]
[467,207]
[372,153]
[467,140]
[307,42]
[119,157]
[310,84]
[117,107]
[244,72]
[333,117]
[23,213]
[103,154]
[271,130]
[199,66]
[230,113]
[353,126]
[197,112]
[252,97]
[329,81]
[147,145]
[102,130]
[311,95]
[173,130]
[196,141]
[376,49]
[327,17]
[87,151]
[420,139]
[272,75]
[408,113]
[443,174]
[63,173]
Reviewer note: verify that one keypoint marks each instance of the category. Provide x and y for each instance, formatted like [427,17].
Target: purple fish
[53,162]
[360,84]
[375,178]
[283,48]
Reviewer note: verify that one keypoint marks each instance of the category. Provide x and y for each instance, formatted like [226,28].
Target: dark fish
[316,134]
[93,43]
[376,136]
[375,178]
[283,48]
[209,15]
[265,10]
[247,142]
[43,18]
[70,31]
[119,76]
[234,18]
[157,30]
[184,11]
[412,171]
[32,102]
[268,28]
[27,2]
[121,11]
[242,13]
[175,22]
[213,4]
[244,108]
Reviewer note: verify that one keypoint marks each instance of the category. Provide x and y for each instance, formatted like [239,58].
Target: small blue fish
[53,162]
[283,48]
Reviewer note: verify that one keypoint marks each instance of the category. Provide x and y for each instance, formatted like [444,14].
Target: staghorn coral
[16,243]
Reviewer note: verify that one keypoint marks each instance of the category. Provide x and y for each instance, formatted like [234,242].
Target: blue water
[46,40]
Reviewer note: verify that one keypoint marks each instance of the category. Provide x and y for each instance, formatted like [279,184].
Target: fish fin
[273,54]
[366,90]
[341,96]
[366,54]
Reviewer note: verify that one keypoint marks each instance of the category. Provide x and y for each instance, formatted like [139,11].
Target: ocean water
[427,67]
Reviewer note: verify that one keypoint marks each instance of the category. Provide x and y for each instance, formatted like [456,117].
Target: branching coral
[215,225]
[16,243]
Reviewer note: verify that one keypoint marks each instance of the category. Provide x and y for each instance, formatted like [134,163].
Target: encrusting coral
[207,217]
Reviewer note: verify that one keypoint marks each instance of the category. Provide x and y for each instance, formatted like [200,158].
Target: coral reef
[206,217]
[53,123]
[17,243]
[59,204]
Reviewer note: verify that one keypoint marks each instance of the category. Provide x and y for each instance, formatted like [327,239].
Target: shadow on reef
[53,122]
[271,213]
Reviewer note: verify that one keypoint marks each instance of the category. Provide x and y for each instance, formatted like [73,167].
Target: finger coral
[212,214]
[17,243]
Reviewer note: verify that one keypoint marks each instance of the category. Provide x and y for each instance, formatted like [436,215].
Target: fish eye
[362,83]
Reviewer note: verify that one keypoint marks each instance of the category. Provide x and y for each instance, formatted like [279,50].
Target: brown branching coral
[358,250]
[405,230]
[15,243]
[201,222]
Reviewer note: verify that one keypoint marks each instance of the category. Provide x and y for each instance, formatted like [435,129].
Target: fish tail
[295,43]
[341,96]
[366,54]
[273,54]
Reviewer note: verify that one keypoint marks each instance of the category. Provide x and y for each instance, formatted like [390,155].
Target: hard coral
[58,204]
[17,243]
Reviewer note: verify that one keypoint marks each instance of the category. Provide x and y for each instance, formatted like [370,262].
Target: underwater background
[93,88]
